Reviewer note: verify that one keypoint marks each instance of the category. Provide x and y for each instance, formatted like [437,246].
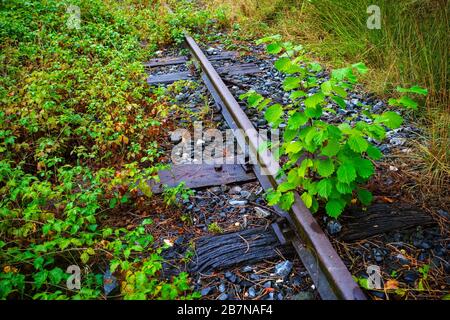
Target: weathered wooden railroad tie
[294,231]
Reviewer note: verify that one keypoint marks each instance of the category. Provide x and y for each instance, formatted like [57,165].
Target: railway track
[297,227]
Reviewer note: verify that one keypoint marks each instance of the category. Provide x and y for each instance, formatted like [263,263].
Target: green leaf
[286,186]
[315,67]
[365,196]
[274,48]
[374,153]
[273,197]
[315,112]
[84,257]
[324,188]
[325,168]
[38,263]
[364,167]
[335,207]
[339,101]
[289,134]
[357,143]
[273,113]
[314,100]
[286,200]
[40,278]
[113,265]
[282,63]
[413,89]
[408,102]
[272,38]
[331,149]
[307,199]
[293,147]
[254,99]
[341,92]
[112,203]
[291,83]
[56,275]
[361,67]
[390,119]
[297,120]
[344,188]
[346,173]
[306,163]
[326,87]
[297,94]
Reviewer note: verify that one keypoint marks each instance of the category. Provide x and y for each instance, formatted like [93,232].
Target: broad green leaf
[307,199]
[365,196]
[324,188]
[274,48]
[390,119]
[315,112]
[413,89]
[374,153]
[40,278]
[314,100]
[273,113]
[408,102]
[364,167]
[291,83]
[331,149]
[56,275]
[357,143]
[346,173]
[343,188]
[293,147]
[254,100]
[335,207]
[275,37]
[316,136]
[297,120]
[286,201]
[341,92]
[289,134]
[339,101]
[286,186]
[273,197]
[361,67]
[325,168]
[306,163]
[84,257]
[297,94]
[326,87]
[315,67]
[282,63]
[334,132]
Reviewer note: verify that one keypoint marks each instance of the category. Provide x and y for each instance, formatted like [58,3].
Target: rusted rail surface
[330,275]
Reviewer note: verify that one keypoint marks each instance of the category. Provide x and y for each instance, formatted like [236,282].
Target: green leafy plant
[214,228]
[328,163]
[175,195]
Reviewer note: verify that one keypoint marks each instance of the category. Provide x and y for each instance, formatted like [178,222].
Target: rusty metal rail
[328,272]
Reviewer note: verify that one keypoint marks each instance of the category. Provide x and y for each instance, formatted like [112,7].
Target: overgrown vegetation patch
[79,135]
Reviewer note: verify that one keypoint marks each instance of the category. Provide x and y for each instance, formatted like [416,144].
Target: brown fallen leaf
[391,284]
[387,200]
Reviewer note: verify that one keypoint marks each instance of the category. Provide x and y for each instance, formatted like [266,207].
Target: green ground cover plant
[79,133]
